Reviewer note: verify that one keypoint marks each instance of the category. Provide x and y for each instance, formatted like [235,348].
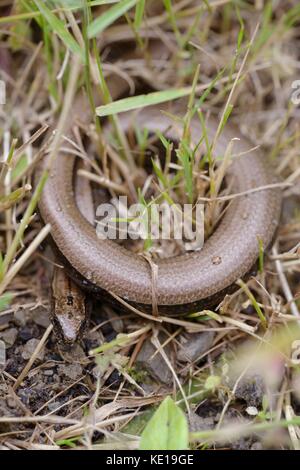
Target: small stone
[40,317]
[29,349]
[252,411]
[155,366]
[193,345]
[48,372]
[74,353]
[21,317]
[25,333]
[5,318]
[53,406]
[72,371]
[9,336]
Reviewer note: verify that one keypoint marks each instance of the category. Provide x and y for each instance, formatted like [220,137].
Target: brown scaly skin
[184,282]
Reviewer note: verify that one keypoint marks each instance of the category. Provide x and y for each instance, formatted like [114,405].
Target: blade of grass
[60,29]
[12,249]
[107,98]
[141,101]
[37,14]
[13,198]
[68,101]
[139,13]
[254,302]
[240,430]
[184,152]
[157,97]
[185,156]
[87,71]
[172,18]
[7,165]
[5,300]
[228,106]
[190,108]
[15,268]
[239,40]
[110,16]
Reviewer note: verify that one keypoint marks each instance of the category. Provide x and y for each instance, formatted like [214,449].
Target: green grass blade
[5,300]
[78,4]
[254,302]
[110,16]
[139,13]
[60,29]
[141,101]
[185,157]
[36,14]
[172,18]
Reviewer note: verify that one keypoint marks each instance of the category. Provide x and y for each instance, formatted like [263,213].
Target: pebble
[74,353]
[21,317]
[29,349]
[156,366]
[72,371]
[53,406]
[193,345]
[40,317]
[9,336]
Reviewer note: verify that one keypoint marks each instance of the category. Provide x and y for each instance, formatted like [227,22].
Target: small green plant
[167,429]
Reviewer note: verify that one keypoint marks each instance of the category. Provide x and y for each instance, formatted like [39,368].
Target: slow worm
[185,283]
